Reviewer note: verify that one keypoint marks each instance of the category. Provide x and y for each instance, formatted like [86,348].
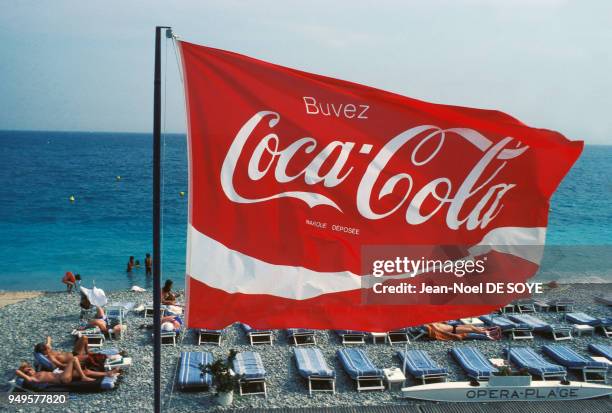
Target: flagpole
[157,222]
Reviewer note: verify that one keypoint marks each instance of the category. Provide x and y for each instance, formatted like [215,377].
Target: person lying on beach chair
[170,329]
[72,372]
[101,320]
[444,331]
[52,359]
[59,359]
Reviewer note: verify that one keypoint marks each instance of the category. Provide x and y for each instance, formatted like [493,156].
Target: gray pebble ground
[55,314]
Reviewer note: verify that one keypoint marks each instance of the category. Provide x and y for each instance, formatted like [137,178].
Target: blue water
[43,234]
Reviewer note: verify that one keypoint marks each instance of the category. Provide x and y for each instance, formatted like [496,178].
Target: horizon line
[168,133]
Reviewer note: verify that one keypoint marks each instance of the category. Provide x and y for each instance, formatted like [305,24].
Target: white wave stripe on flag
[218,266]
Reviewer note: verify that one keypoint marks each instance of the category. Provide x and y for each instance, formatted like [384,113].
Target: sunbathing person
[72,372]
[171,323]
[60,359]
[444,331]
[101,320]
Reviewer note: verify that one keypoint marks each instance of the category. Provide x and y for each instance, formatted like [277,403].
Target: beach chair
[115,316]
[421,366]
[475,364]
[518,331]
[312,366]
[561,305]
[378,336]
[114,358]
[351,336]
[42,362]
[558,332]
[249,367]
[190,375]
[361,369]
[508,308]
[475,321]
[149,310]
[525,306]
[527,358]
[603,324]
[415,333]
[398,336]
[257,336]
[301,336]
[206,336]
[541,306]
[95,337]
[96,386]
[117,363]
[602,350]
[591,370]
[168,337]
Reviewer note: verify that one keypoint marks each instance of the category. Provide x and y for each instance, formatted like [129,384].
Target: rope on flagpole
[178,61]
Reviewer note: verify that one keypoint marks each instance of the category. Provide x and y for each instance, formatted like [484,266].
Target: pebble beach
[29,321]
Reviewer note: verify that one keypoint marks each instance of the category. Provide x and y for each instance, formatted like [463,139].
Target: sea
[43,233]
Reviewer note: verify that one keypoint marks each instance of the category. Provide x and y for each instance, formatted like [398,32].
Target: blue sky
[73,65]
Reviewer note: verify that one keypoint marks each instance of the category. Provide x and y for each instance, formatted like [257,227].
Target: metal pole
[156,223]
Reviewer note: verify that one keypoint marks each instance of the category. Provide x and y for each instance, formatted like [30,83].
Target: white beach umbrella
[96,296]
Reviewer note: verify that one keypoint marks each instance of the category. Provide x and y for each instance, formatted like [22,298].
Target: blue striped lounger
[190,377]
[312,365]
[301,336]
[527,358]
[518,331]
[361,369]
[421,366]
[473,362]
[250,368]
[591,370]
[538,325]
[605,324]
[257,336]
[601,350]
[351,336]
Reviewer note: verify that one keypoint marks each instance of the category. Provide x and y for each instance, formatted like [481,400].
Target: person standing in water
[148,264]
[130,264]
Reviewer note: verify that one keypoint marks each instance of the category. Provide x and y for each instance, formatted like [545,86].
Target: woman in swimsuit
[167,296]
[101,320]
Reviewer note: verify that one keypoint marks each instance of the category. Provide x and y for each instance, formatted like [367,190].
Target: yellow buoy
[182,194]
[71,198]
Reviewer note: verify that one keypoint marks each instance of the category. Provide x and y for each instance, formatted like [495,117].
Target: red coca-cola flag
[301,184]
